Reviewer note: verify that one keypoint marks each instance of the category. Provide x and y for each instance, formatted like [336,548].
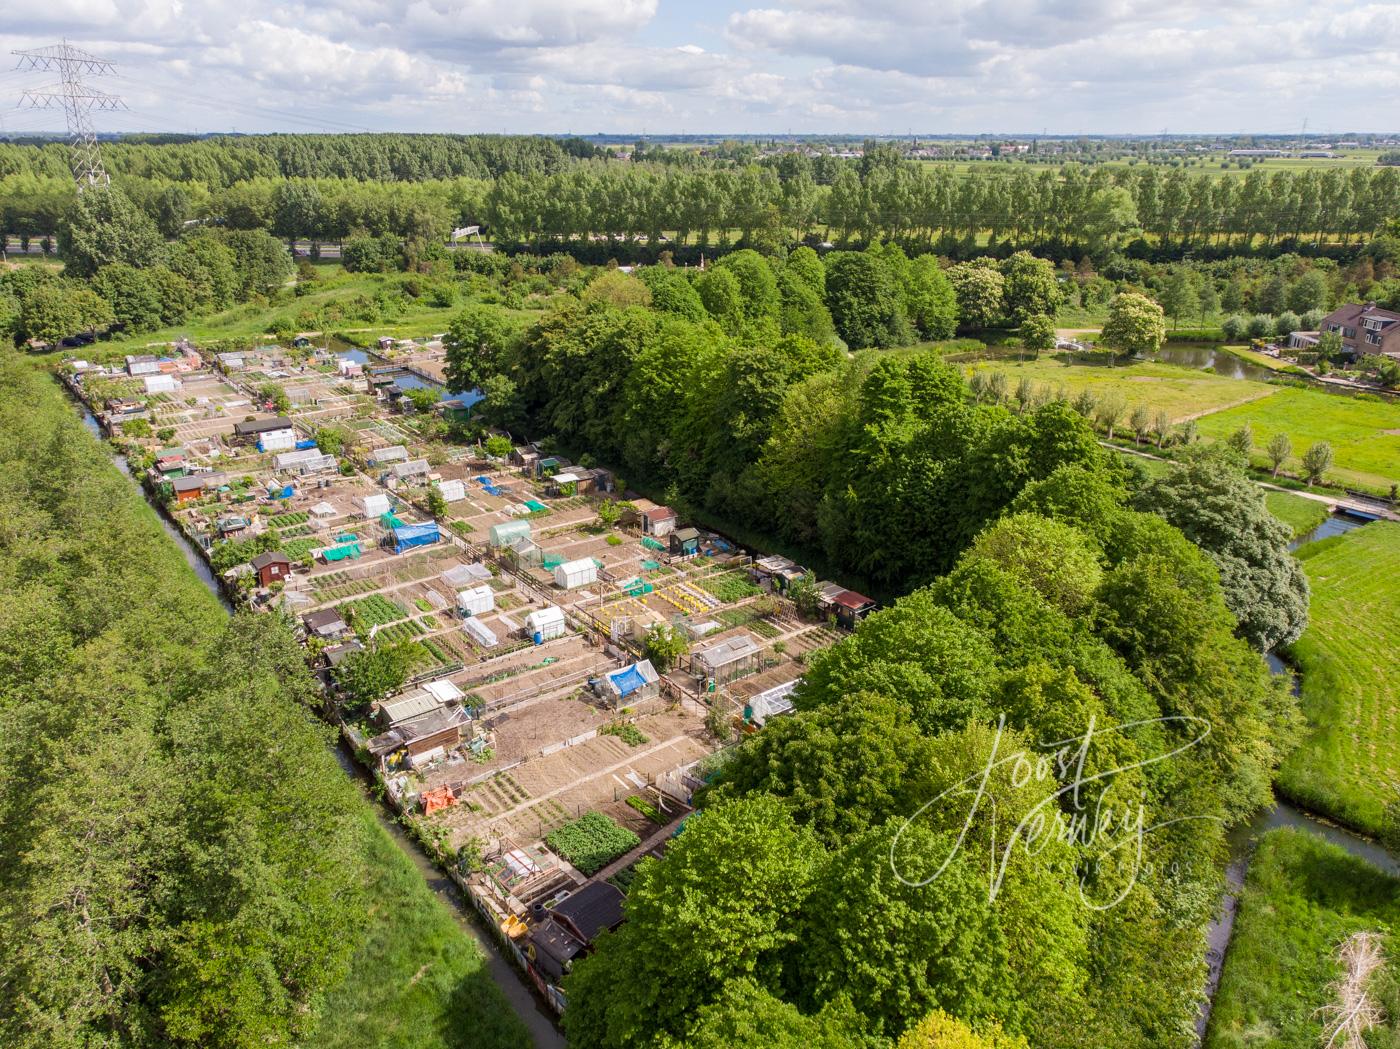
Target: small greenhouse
[631,683]
[373,505]
[452,491]
[571,574]
[476,601]
[479,632]
[508,533]
[545,623]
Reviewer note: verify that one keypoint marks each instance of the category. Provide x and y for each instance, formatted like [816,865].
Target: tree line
[537,192]
[181,859]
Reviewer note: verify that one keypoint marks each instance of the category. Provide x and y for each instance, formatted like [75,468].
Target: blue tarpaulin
[282,493]
[308,443]
[627,680]
[409,536]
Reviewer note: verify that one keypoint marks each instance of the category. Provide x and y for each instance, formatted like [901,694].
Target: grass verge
[1348,766]
[1303,896]
[417,981]
[1300,514]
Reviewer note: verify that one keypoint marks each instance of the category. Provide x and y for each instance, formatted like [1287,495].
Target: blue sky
[624,66]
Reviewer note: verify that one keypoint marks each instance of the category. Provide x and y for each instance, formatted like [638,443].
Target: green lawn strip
[1274,364]
[418,981]
[1364,432]
[1300,514]
[1303,896]
[1348,766]
[1179,391]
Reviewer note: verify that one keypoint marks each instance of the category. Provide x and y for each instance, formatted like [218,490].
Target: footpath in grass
[1364,432]
[418,981]
[1300,514]
[1302,898]
[1348,766]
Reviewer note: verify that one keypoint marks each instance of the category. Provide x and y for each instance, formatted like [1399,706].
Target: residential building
[1365,329]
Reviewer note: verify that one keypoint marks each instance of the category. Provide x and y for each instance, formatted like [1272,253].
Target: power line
[77,103]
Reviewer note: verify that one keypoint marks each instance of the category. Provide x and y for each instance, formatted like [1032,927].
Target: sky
[685,66]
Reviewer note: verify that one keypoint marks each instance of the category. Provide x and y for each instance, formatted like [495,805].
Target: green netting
[652,544]
[341,553]
[535,506]
[649,565]
[552,561]
[389,520]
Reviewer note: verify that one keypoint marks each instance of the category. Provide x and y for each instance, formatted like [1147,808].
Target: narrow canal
[1282,813]
[533,1013]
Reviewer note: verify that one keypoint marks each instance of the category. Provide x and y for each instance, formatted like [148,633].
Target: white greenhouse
[476,601]
[576,573]
[545,623]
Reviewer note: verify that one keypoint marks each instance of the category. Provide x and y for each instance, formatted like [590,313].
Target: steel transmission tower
[77,102]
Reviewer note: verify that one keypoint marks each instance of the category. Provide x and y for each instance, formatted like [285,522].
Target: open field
[1182,392]
[1301,515]
[418,981]
[1349,766]
[1303,897]
[1364,433]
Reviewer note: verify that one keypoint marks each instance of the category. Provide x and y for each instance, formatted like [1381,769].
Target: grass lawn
[1302,897]
[1244,353]
[1182,392]
[1364,433]
[1348,767]
[1300,514]
[418,981]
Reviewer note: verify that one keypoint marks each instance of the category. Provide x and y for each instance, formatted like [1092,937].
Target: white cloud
[840,65]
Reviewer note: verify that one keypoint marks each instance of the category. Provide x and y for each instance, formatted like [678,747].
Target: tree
[476,344]
[1286,324]
[134,298]
[804,594]
[609,512]
[437,503]
[423,398]
[1234,327]
[1135,325]
[1109,410]
[1261,326]
[617,289]
[1308,292]
[866,305]
[1272,297]
[1050,556]
[748,1016]
[938,1030]
[743,869]
[1278,450]
[664,646]
[1225,514]
[719,291]
[930,300]
[1031,287]
[1179,294]
[1329,347]
[1161,426]
[758,287]
[1038,333]
[1241,442]
[54,311]
[331,440]
[103,227]
[374,674]
[497,446]
[1317,460]
[981,294]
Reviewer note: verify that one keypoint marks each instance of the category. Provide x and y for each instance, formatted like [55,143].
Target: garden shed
[508,533]
[659,521]
[685,542]
[545,623]
[571,574]
[563,484]
[476,601]
[412,704]
[726,660]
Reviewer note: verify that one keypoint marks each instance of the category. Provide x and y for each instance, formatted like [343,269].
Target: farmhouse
[1365,330]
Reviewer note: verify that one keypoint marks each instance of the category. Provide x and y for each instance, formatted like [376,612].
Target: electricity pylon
[77,102]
